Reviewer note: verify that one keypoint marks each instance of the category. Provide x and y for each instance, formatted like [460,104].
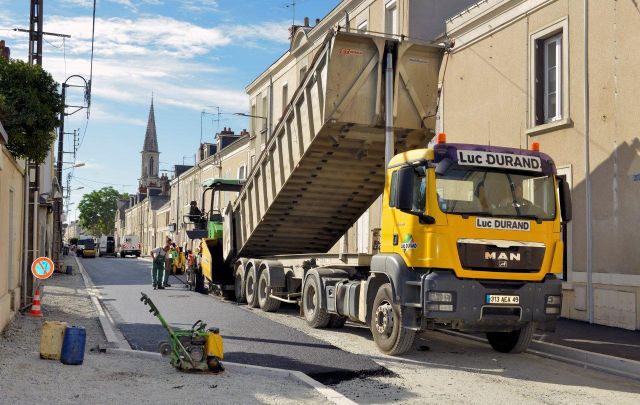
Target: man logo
[511,257]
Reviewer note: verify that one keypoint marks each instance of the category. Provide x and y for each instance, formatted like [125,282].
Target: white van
[107,246]
[129,245]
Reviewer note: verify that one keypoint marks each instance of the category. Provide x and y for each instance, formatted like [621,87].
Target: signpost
[42,268]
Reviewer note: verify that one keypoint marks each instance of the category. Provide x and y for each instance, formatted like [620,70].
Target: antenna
[292,5]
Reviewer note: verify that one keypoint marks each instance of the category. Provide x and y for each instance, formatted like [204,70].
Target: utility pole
[32,172]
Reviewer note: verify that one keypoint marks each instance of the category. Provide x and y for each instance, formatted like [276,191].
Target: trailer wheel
[239,286]
[337,321]
[316,316]
[251,290]
[516,341]
[386,324]
[267,303]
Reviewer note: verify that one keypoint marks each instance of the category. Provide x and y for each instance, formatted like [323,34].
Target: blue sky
[193,55]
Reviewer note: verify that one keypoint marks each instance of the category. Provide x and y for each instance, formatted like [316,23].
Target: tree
[30,106]
[98,211]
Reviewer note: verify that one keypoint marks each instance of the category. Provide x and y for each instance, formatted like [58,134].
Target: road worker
[158,259]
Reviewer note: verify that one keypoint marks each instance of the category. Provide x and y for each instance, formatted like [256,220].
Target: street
[347,358]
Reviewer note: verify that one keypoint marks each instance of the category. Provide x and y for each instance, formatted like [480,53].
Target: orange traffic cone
[35,307]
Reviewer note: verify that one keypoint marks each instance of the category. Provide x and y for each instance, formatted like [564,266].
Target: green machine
[197,349]
[207,226]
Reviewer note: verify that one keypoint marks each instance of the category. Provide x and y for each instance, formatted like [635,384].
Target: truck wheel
[240,286]
[516,341]
[337,321]
[316,317]
[251,290]
[267,303]
[386,324]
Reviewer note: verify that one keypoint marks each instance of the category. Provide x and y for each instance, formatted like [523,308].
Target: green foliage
[98,211]
[73,241]
[30,106]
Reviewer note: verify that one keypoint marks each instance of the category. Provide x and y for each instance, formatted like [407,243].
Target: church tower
[150,155]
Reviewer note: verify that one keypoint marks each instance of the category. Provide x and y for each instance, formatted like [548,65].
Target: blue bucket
[75,338]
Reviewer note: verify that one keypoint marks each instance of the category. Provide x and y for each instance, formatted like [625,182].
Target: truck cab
[471,240]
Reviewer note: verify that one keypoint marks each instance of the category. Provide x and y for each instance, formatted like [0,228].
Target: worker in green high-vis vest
[158,256]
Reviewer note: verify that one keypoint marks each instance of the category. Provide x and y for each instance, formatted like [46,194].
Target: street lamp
[75,165]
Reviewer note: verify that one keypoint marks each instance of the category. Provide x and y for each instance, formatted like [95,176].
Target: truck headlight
[439,296]
[554,299]
[440,307]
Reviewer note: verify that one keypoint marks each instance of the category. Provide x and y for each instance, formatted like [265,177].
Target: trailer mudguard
[275,273]
[325,276]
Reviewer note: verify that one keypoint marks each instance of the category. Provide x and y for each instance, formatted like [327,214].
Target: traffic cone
[35,307]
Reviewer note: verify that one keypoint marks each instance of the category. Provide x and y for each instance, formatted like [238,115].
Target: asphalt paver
[249,338]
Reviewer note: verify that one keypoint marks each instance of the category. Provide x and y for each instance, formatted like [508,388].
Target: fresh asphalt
[248,337]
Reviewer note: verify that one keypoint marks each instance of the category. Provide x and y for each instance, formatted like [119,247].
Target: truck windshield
[88,244]
[485,192]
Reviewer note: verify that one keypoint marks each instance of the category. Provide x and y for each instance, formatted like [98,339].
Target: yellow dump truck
[471,235]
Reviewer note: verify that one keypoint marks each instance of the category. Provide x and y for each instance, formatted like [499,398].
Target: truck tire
[386,324]
[266,302]
[316,317]
[252,288]
[516,341]
[240,286]
[337,321]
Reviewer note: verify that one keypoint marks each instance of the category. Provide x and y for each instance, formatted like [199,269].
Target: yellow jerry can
[215,347]
[51,339]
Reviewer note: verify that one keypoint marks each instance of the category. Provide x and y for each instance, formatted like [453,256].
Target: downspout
[587,167]
[270,116]
[25,231]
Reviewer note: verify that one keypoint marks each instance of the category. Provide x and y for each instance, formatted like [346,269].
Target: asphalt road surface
[248,337]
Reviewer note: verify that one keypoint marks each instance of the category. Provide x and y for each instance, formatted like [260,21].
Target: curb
[106,321]
[330,394]
[595,361]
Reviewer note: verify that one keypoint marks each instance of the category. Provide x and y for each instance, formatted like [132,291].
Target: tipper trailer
[471,234]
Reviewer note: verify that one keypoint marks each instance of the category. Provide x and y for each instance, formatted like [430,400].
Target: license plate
[502,299]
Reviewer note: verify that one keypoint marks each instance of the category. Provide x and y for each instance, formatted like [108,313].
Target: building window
[549,79]
[241,172]
[363,27]
[548,72]
[151,167]
[265,112]
[303,71]
[254,127]
[285,97]
[391,17]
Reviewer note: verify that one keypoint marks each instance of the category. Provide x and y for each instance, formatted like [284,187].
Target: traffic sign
[42,268]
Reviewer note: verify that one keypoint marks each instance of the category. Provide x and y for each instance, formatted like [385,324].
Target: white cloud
[77,3]
[200,6]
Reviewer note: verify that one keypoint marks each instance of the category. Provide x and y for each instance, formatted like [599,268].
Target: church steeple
[151,138]
[150,154]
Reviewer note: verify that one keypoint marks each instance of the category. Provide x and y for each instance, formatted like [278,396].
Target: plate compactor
[198,349]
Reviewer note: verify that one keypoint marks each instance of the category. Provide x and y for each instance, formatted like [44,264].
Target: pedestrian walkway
[594,338]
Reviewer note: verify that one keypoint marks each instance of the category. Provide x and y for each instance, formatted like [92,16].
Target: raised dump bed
[324,164]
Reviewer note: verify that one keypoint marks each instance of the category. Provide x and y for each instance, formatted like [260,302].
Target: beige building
[516,75]
[272,90]
[11,229]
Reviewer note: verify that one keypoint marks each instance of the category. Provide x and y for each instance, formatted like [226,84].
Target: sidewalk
[594,338]
[115,377]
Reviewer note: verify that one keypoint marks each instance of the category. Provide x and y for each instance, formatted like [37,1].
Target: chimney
[306,21]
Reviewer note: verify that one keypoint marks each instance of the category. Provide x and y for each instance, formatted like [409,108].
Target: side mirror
[566,210]
[406,178]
